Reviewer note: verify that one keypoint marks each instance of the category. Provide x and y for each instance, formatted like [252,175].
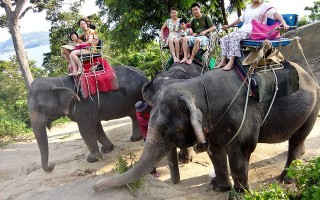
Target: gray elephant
[152,89]
[188,109]
[51,98]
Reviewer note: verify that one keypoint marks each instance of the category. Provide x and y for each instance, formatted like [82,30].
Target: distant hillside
[30,40]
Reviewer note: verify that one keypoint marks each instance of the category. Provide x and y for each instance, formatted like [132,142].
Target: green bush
[123,165]
[272,191]
[307,177]
[307,186]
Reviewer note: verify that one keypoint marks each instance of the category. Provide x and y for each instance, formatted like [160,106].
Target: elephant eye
[183,107]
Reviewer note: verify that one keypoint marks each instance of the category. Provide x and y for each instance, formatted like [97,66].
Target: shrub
[123,165]
[307,186]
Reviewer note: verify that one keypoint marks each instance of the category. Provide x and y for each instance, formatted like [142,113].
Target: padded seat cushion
[259,43]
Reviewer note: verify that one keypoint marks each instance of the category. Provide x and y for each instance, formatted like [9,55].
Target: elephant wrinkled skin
[51,98]
[183,106]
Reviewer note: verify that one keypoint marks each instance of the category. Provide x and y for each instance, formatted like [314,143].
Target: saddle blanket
[98,76]
[264,80]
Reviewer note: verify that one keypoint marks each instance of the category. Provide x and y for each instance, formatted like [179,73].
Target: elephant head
[47,102]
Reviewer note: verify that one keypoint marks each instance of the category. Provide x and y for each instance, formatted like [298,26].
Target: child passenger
[184,31]
[75,39]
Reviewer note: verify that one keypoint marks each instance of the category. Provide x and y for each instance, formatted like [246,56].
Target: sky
[32,22]
[36,21]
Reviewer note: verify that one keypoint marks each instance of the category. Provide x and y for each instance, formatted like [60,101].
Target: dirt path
[21,176]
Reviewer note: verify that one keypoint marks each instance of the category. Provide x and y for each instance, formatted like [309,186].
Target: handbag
[262,31]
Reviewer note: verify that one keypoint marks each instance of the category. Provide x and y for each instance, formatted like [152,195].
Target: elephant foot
[107,149]
[219,185]
[49,168]
[94,157]
[136,138]
[285,178]
[185,158]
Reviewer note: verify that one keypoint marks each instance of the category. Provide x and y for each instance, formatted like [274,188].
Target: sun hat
[141,106]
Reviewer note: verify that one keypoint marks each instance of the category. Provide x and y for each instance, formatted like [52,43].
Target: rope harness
[248,77]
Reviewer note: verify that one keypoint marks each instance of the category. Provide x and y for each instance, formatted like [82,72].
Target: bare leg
[194,50]
[222,63]
[65,53]
[230,64]
[177,48]
[172,50]
[185,49]
[73,65]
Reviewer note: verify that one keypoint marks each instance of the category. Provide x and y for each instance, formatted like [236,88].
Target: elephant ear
[186,106]
[64,98]
[148,93]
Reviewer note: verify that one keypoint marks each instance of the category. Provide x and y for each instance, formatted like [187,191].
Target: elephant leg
[296,146]
[107,145]
[218,158]
[136,135]
[239,165]
[88,133]
[186,155]
[173,165]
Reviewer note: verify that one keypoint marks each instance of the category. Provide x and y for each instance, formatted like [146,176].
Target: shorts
[203,44]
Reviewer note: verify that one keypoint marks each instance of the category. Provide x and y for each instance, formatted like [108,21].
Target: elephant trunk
[155,148]
[38,123]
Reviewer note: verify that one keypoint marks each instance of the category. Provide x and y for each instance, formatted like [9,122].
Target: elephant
[190,111]
[151,90]
[51,98]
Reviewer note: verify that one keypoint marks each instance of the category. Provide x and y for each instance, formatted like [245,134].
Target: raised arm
[237,21]
[162,29]
[280,18]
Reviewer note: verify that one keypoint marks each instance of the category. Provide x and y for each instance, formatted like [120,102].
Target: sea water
[35,54]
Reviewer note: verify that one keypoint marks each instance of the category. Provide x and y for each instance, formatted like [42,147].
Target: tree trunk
[14,28]
[238,11]
[223,10]
[20,52]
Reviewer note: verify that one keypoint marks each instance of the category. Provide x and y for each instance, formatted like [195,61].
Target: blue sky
[36,21]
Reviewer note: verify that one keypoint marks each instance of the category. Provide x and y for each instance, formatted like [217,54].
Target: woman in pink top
[230,44]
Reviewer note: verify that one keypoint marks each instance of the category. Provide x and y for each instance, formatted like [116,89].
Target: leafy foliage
[123,165]
[146,59]
[307,176]
[14,119]
[315,11]
[272,191]
[307,186]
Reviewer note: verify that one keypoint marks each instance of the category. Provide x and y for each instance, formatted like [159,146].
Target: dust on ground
[21,175]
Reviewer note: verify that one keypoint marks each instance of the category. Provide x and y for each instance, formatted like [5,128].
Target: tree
[14,11]
[315,11]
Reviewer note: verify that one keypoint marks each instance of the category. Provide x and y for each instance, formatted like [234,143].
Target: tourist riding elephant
[51,98]
[196,111]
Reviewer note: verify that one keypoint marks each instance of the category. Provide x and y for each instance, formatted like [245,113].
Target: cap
[141,106]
